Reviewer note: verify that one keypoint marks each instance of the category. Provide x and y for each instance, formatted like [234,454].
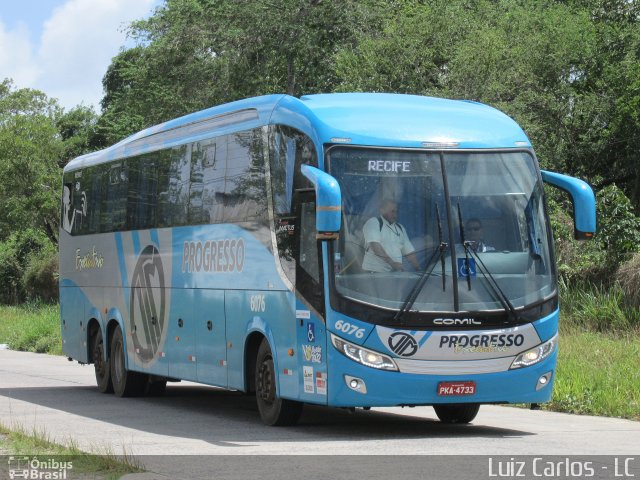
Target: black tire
[101,366]
[125,382]
[457,413]
[274,411]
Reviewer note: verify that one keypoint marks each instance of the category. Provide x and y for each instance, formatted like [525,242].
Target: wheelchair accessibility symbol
[311,332]
[466,267]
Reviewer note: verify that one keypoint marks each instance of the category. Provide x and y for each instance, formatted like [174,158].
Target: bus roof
[413,121]
[373,119]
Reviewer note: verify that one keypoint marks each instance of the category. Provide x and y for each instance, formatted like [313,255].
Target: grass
[31,328]
[599,354]
[598,374]
[17,442]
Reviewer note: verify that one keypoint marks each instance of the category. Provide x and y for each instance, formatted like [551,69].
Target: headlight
[363,356]
[536,354]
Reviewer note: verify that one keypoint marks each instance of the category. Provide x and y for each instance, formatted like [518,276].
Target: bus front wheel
[273,410]
[457,413]
[101,366]
[125,382]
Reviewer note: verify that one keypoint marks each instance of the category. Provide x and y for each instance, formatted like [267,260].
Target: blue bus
[348,250]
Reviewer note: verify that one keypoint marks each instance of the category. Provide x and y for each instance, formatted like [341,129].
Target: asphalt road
[51,395]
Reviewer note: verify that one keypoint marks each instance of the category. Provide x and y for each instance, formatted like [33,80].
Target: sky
[63,47]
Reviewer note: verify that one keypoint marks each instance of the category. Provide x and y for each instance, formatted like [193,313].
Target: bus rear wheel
[125,382]
[101,366]
[457,413]
[274,411]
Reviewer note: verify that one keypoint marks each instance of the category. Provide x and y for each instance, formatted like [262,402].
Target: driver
[386,241]
[475,234]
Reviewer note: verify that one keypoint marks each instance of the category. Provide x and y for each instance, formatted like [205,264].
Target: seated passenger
[386,241]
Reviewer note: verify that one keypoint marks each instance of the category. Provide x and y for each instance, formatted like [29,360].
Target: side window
[72,205]
[208,162]
[245,189]
[289,149]
[142,198]
[113,208]
[308,242]
[173,188]
[212,181]
[94,183]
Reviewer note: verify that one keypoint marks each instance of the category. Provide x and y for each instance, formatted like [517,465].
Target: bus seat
[353,244]
[495,233]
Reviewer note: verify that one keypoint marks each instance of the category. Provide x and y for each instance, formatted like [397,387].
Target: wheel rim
[266,387]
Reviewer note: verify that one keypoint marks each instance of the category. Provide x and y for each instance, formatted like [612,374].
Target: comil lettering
[389,166]
[456,321]
[213,256]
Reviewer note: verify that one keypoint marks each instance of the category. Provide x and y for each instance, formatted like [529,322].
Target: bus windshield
[440,231]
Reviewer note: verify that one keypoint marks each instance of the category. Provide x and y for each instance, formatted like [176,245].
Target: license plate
[456,389]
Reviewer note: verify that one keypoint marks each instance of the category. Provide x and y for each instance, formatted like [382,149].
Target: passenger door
[310,311]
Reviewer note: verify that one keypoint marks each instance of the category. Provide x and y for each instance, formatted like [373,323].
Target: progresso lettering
[389,166]
[497,340]
[213,256]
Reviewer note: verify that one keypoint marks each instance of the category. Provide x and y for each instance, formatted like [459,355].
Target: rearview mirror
[584,202]
[328,202]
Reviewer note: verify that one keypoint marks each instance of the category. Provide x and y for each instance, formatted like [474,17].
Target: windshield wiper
[466,253]
[443,246]
[497,291]
[428,269]
[491,281]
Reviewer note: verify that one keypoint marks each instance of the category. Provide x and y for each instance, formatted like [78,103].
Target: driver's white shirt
[393,239]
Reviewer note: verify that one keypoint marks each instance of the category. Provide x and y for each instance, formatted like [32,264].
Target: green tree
[193,54]
[30,148]
[566,71]
[78,131]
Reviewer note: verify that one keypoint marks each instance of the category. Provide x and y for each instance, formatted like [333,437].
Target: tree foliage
[194,54]
[37,138]
[30,149]
[568,72]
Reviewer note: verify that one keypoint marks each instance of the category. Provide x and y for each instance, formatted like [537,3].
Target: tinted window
[142,201]
[113,209]
[289,149]
[173,190]
[211,181]
[208,161]
[245,191]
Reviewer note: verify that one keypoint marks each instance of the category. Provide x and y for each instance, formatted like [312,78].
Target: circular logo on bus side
[402,344]
[147,305]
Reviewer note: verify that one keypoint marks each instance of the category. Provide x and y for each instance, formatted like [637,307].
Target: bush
[15,254]
[40,279]
[628,277]
[617,237]
[579,262]
[11,291]
[597,308]
[618,226]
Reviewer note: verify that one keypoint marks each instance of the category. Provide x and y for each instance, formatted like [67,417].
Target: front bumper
[388,388]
